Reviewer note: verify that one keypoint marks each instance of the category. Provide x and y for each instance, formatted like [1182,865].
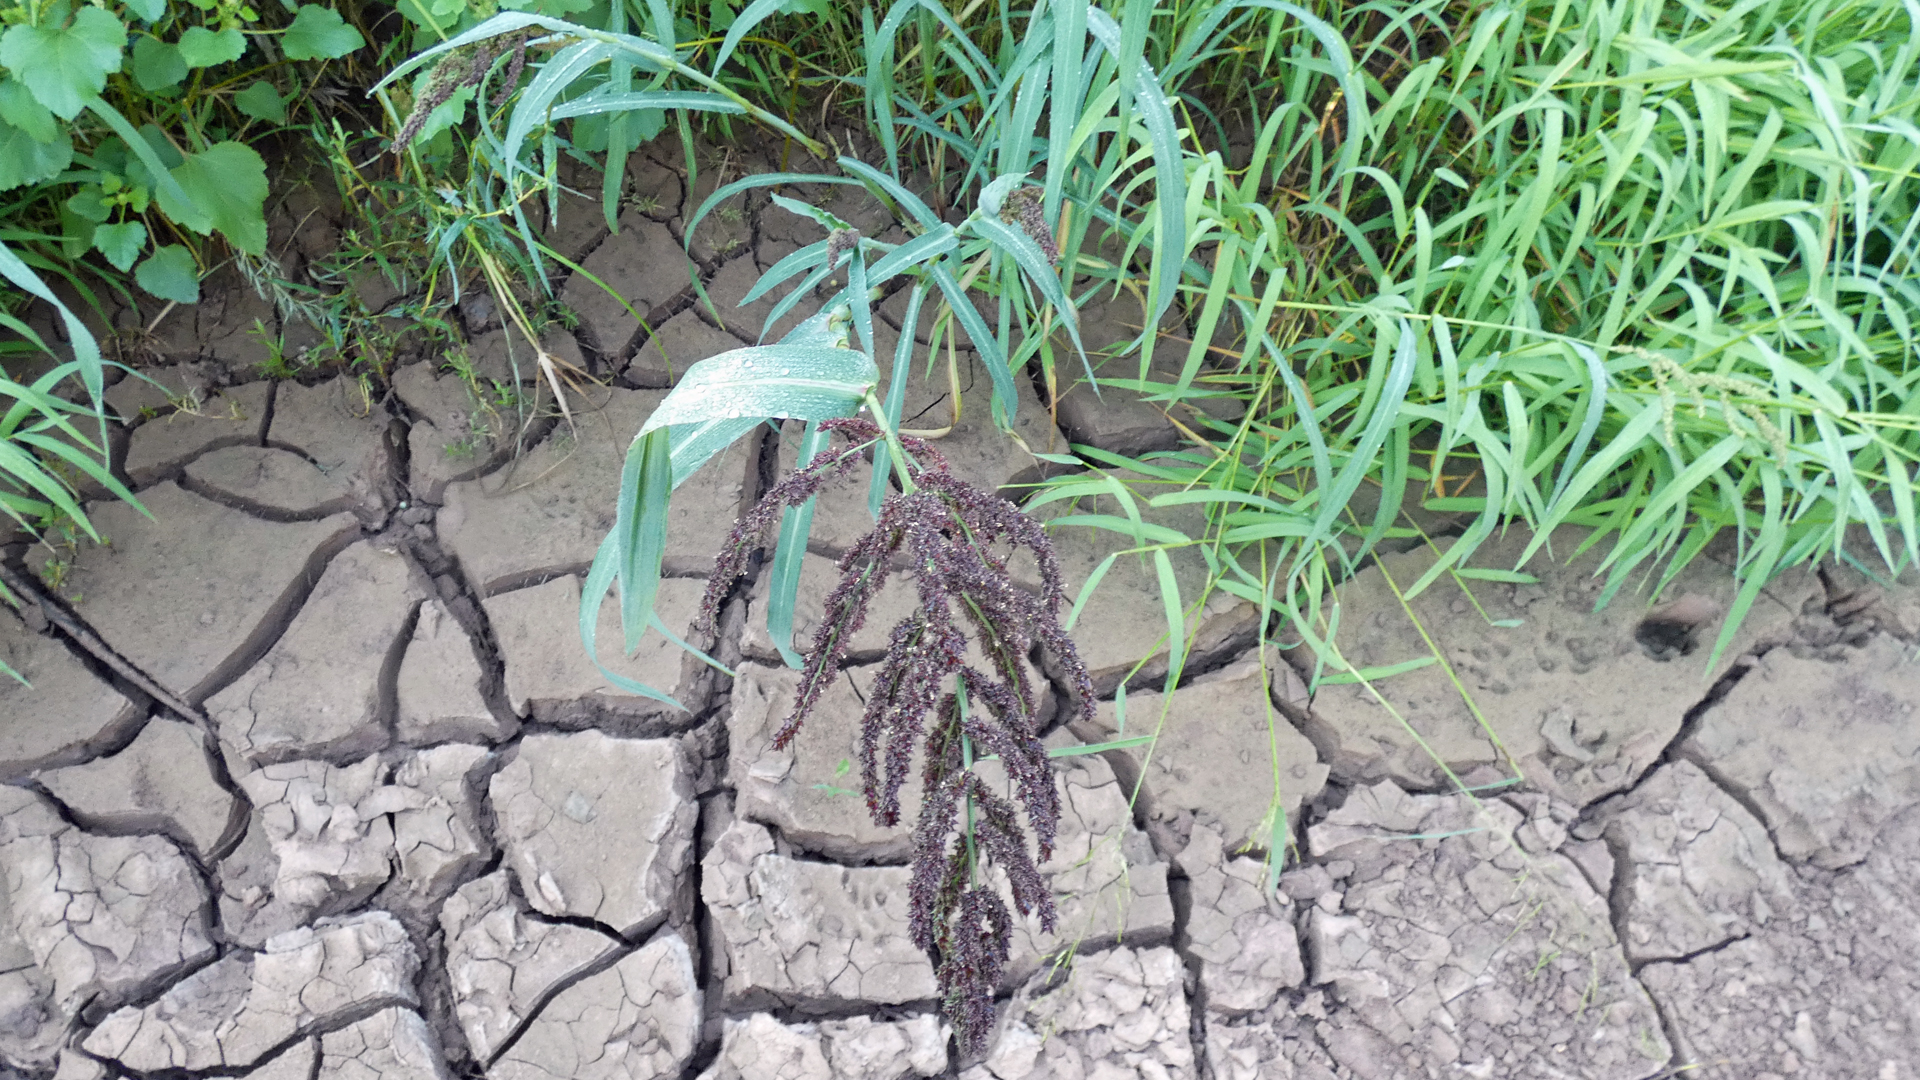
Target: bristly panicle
[461,68]
[750,531]
[954,541]
[1022,207]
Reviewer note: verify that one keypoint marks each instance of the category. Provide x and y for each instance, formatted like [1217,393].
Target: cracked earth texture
[314,780]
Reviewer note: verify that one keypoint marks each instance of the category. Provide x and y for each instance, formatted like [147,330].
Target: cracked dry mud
[368,812]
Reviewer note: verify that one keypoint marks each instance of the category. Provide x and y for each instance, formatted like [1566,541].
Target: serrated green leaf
[262,102]
[228,182]
[201,47]
[319,33]
[798,382]
[26,160]
[147,10]
[89,204]
[157,65]
[19,108]
[121,243]
[170,274]
[65,66]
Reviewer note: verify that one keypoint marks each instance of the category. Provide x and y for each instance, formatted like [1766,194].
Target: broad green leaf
[26,160]
[19,108]
[228,182]
[262,102]
[793,381]
[593,594]
[76,232]
[201,47]
[148,10]
[694,444]
[65,66]
[155,162]
[1176,622]
[121,243]
[156,64]
[170,274]
[640,529]
[319,33]
[89,204]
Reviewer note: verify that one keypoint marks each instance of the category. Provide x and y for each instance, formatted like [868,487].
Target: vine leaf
[65,66]
[319,33]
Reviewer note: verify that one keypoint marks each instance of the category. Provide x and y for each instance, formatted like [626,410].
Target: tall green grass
[1645,267]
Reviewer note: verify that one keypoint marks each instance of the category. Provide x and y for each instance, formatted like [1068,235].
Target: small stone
[162,782]
[621,867]
[317,691]
[233,1012]
[639,1018]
